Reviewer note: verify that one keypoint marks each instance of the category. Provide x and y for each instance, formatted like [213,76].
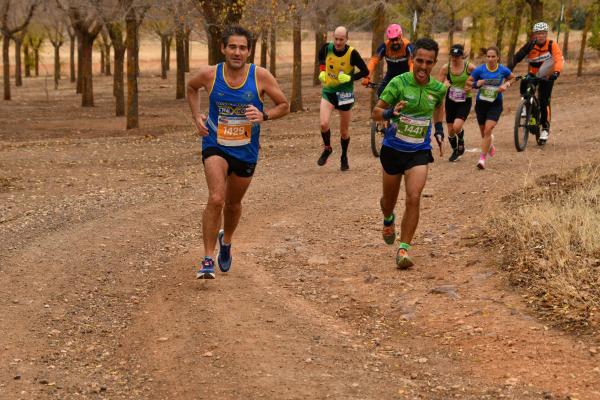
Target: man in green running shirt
[410,101]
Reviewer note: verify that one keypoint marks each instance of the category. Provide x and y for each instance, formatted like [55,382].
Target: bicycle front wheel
[521,126]
[376,138]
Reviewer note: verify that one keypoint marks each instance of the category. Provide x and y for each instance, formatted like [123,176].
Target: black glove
[554,76]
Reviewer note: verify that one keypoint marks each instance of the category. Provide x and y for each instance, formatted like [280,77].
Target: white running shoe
[544,134]
[524,112]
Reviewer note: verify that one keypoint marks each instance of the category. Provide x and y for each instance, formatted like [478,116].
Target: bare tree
[296,97]
[87,25]
[217,14]
[15,15]
[72,43]
[54,25]
[377,34]
[163,28]
[105,46]
[18,39]
[35,39]
[537,9]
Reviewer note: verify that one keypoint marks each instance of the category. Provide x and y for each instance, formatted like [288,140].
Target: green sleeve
[442,95]
[392,92]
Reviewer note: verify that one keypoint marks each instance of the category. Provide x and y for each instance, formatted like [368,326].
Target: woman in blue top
[491,79]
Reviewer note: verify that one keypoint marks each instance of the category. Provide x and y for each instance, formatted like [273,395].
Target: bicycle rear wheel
[522,126]
[376,137]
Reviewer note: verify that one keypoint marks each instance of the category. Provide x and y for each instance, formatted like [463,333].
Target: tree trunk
[72,58]
[27,60]
[102,67]
[264,46]
[36,60]
[163,56]
[107,65]
[473,39]
[180,51]
[252,56]
[568,18]
[87,87]
[118,80]
[320,40]
[377,35]
[56,64]
[584,34]
[500,25]
[18,73]
[537,10]
[187,49]
[214,45]
[451,28]
[79,88]
[169,44]
[514,35]
[132,69]
[6,65]
[296,97]
[273,49]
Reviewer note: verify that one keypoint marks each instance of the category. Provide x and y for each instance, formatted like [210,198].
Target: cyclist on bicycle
[546,62]
[458,99]
[397,52]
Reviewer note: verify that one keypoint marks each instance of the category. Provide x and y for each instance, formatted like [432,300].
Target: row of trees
[116,25]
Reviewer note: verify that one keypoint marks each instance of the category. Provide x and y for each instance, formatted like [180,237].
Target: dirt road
[100,237]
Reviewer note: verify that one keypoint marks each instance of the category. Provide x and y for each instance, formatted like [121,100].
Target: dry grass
[550,236]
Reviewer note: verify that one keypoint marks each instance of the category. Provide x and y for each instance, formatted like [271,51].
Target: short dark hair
[236,30]
[426,44]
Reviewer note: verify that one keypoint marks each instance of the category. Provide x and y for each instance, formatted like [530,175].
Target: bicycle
[377,128]
[527,118]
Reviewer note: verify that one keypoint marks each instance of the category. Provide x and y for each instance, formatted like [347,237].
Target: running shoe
[492,151]
[344,164]
[208,269]
[544,135]
[481,163]
[224,257]
[455,155]
[324,155]
[389,233]
[403,261]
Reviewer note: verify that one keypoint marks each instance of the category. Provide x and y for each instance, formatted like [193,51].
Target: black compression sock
[461,137]
[326,138]
[453,141]
[345,143]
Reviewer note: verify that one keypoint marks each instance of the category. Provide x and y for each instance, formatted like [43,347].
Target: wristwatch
[265,116]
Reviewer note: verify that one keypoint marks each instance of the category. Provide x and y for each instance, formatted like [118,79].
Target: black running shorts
[238,167]
[457,109]
[486,110]
[396,162]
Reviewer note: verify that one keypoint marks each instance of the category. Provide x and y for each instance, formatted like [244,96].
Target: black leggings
[544,94]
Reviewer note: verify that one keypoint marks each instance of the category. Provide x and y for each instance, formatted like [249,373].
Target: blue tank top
[228,128]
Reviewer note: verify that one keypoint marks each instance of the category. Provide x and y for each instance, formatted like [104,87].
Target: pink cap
[393,31]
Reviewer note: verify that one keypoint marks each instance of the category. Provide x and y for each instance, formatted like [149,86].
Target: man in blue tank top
[230,138]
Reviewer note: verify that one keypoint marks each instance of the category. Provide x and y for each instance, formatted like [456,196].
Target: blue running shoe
[208,269]
[224,257]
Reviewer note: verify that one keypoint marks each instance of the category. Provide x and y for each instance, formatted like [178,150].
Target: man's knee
[324,126]
[216,200]
[413,200]
[233,207]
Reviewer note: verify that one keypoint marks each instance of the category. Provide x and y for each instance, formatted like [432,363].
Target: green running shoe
[403,261]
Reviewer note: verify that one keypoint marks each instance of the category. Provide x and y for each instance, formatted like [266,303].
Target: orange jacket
[538,54]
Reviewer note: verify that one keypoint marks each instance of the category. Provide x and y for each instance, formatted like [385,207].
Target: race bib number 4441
[234,131]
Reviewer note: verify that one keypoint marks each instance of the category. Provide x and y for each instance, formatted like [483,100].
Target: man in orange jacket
[546,62]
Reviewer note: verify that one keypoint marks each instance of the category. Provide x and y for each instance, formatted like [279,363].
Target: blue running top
[228,128]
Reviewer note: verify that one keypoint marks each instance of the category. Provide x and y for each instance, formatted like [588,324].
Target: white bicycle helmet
[540,27]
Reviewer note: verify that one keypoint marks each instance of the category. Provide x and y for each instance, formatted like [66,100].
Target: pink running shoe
[492,151]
